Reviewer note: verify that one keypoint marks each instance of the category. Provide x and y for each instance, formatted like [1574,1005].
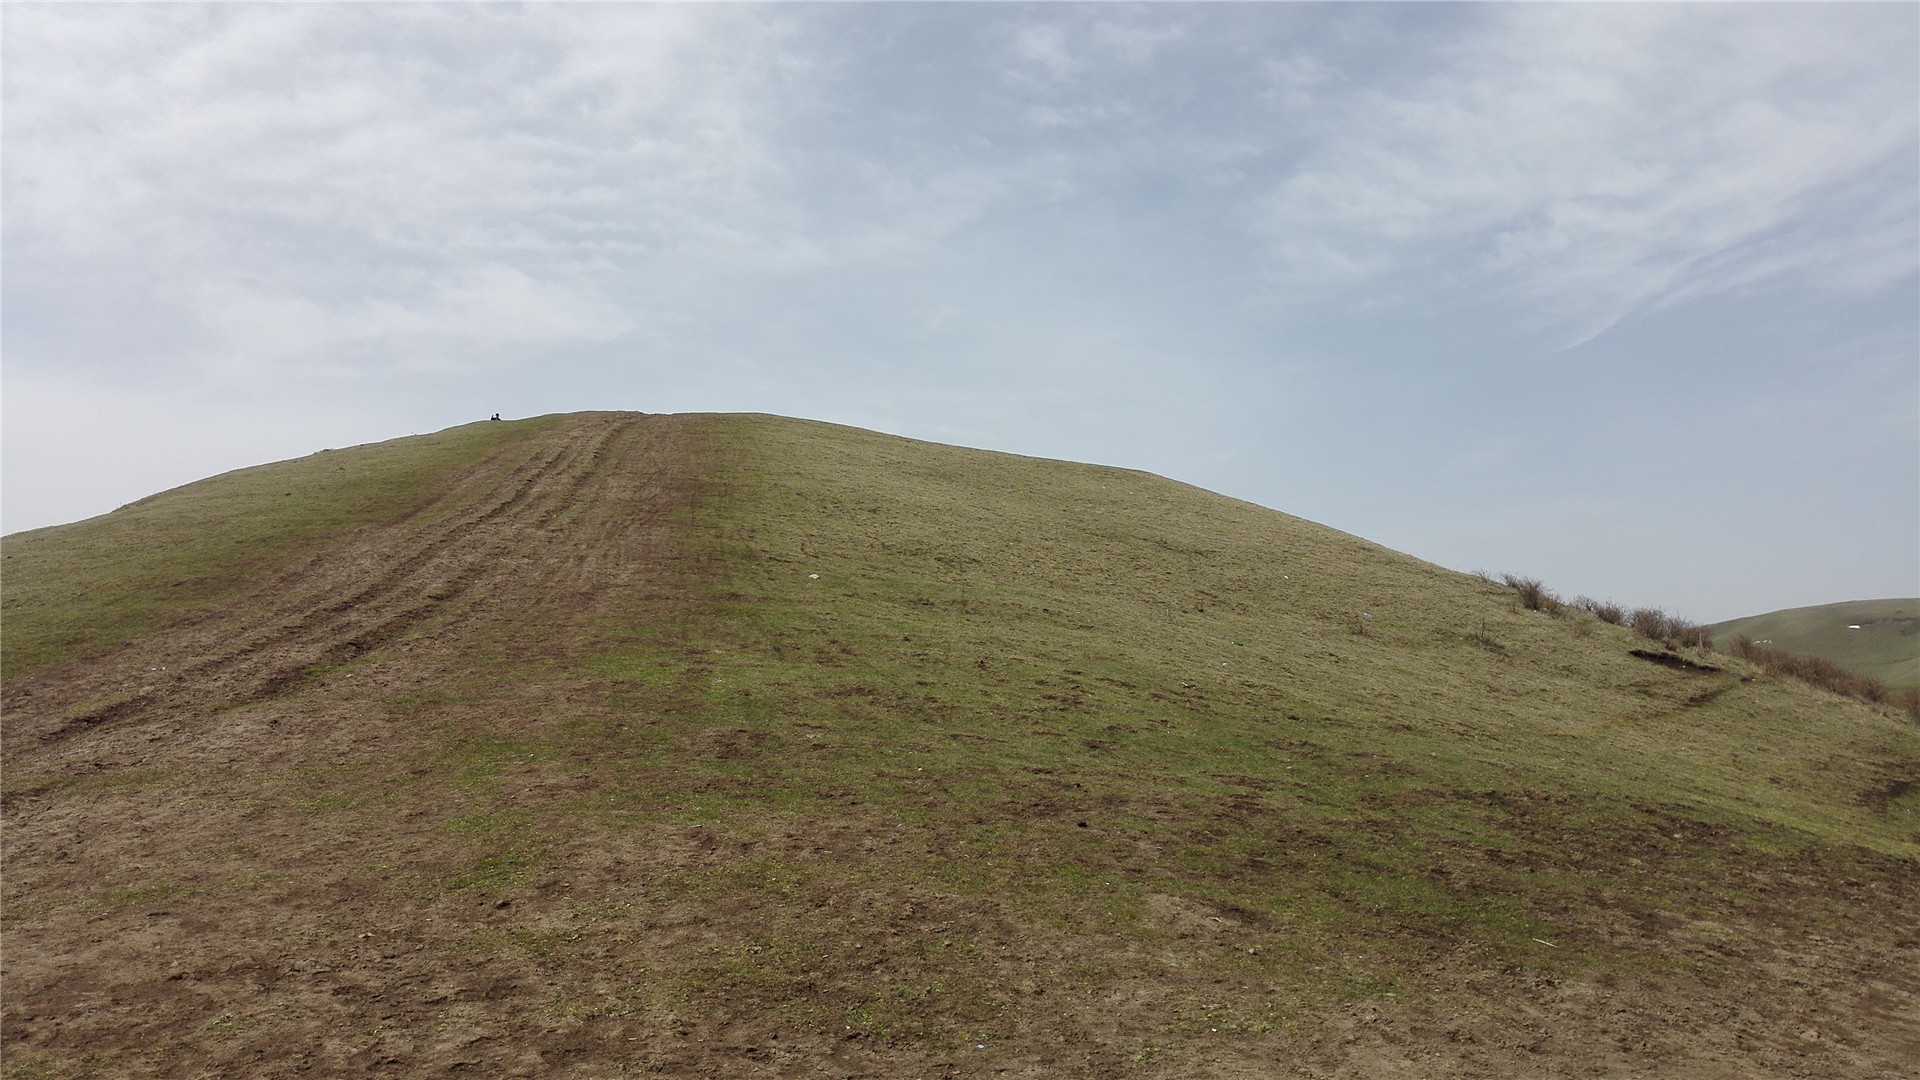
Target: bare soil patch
[1674,661]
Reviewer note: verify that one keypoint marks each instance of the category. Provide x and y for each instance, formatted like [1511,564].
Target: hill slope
[81,589]
[733,745]
[1886,645]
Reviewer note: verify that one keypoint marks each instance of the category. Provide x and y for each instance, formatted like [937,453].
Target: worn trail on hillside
[160,851]
[350,602]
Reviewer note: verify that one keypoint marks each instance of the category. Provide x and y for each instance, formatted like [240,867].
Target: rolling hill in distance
[611,744]
[1876,638]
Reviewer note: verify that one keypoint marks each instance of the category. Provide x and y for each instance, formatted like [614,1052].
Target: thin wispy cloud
[1593,161]
[347,186]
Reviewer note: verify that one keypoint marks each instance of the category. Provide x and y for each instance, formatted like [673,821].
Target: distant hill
[734,746]
[1877,638]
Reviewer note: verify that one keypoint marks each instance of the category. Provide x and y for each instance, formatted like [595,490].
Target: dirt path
[339,607]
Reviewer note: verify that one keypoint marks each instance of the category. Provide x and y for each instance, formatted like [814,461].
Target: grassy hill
[78,590]
[1886,646]
[745,746]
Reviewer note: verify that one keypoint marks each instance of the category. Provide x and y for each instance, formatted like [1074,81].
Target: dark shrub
[1687,632]
[1649,623]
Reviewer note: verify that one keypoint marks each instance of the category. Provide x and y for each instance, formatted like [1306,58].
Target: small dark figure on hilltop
[495,416]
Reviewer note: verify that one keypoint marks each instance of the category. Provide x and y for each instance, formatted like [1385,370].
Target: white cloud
[1042,47]
[1054,229]
[351,188]
[1593,161]
[484,314]
[1295,81]
[1137,41]
[366,171]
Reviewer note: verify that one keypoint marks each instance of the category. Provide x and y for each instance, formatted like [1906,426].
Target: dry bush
[1824,673]
[1649,623]
[1687,632]
[1486,641]
[1604,610]
[1534,594]
[1656,625]
[1909,701]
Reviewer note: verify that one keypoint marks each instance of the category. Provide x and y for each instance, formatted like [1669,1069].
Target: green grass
[70,591]
[996,650]
[1886,647]
[983,615]
[644,669]
[940,747]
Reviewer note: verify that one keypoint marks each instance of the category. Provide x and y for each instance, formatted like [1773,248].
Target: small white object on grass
[1854,626]
[813,577]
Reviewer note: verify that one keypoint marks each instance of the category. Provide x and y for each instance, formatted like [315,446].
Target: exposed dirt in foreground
[318,836]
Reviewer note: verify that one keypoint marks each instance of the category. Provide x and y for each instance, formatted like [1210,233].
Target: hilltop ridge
[741,745]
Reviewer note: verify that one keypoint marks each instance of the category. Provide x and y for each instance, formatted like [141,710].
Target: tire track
[316,607]
[319,611]
[536,458]
[579,460]
[475,570]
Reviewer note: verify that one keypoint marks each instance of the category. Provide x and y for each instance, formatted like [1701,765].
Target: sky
[1623,297]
